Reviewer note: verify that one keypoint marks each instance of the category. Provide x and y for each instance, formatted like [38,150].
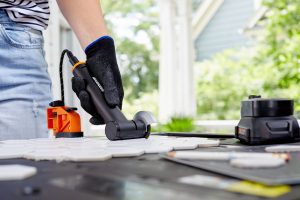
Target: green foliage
[280,44]
[141,73]
[177,124]
[271,68]
[224,81]
[135,29]
[147,101]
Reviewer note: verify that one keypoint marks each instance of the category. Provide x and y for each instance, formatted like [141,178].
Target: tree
[270,68]
[280,45]
[135,28]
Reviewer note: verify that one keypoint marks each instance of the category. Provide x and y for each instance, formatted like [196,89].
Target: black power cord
[61,79]
[73,61]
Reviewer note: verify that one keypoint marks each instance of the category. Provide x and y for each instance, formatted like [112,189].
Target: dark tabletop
[144,177]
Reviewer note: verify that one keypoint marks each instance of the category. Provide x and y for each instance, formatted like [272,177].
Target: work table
[144,177]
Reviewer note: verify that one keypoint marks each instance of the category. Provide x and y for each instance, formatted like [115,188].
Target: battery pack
[267,121]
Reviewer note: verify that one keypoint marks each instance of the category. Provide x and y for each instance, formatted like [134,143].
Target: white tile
[209,143]
[12,153]
[283,148]
[183,146]
[88,156]
[16,172]
[57,154]
[96,148]
[157,149]
[127,143]
[124,152]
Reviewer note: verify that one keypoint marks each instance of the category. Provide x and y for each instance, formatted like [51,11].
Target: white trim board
[204,14]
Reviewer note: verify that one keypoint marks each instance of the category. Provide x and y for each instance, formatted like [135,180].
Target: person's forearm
[85,18]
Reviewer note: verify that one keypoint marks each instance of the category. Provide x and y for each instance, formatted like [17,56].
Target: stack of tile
[96,149]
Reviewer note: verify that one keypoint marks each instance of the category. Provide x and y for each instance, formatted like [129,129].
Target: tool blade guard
[118,127]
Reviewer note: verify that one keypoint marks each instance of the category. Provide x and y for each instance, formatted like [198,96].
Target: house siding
[225,29]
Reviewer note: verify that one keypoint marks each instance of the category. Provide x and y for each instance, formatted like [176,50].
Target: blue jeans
[25,87]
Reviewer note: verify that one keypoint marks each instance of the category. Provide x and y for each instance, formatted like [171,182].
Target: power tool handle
[97,96]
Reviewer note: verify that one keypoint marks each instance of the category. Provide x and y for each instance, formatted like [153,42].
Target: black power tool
[117,126]
[267,121]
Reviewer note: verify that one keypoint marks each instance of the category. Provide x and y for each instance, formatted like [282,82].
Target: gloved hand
[102,64]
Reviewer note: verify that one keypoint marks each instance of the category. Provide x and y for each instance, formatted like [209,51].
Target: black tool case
[267,121]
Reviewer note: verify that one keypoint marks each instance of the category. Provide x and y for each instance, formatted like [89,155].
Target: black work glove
[102,64]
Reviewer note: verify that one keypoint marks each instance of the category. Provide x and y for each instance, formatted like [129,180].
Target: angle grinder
[65,122]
